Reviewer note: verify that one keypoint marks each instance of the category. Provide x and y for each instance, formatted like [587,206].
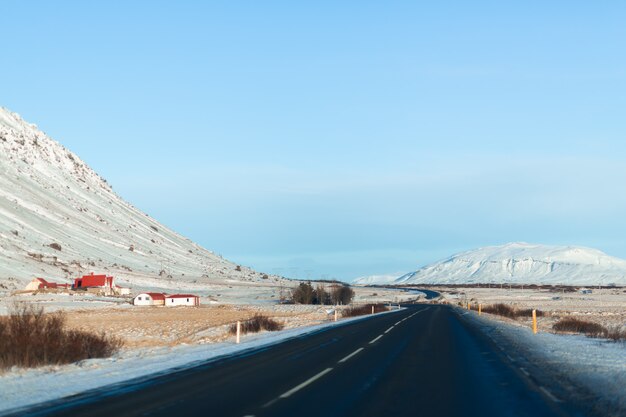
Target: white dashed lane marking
[305,383]
[356,352]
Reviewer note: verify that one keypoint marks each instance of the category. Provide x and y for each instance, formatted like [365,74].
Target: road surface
[424,360]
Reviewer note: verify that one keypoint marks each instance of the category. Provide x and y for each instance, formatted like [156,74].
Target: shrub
[303,293]
[571,324]
[363,310]
[500,310]
[528,312]
[505,310]
[31,338]
[256,324]
[615,333]
[341,294]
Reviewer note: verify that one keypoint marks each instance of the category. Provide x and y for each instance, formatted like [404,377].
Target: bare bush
[572,324]
[528,312]
[256,324]
[363,310]
[505,310]
[31,338]
[616,333]
[341,294]
[500,310]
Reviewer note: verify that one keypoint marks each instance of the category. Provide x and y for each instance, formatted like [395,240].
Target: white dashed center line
[375,340]
[389,329]
[351,355]
[305,383]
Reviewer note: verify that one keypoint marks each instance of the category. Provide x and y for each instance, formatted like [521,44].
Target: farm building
[121,290]
[41,284]
[149,299]
[95,282]
[176,300]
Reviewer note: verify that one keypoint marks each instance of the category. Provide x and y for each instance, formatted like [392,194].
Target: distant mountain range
[59,219]
[519,263]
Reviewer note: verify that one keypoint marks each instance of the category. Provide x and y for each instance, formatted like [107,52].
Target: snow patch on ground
[597,365]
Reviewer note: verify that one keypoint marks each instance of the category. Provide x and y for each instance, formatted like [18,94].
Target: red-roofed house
[175,300]
[42,284]
[149,299]
[92,281]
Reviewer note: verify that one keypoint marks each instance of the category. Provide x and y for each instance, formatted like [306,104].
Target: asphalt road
[421,361]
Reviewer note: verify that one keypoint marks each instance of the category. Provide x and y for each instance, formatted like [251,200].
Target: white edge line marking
[389,329]
[549,394]
[524,371]
[351,355]
[398,323]
[375,340]
[305,383]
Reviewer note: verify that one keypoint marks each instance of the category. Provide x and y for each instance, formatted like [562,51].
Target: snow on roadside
[596,365]
[27,387]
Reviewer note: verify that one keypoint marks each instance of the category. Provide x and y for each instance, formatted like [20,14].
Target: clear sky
[338,139]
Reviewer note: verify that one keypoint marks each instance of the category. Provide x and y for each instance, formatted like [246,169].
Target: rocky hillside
[59,218]
[523,263]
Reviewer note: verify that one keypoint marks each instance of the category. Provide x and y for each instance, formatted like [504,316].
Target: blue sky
[338,139]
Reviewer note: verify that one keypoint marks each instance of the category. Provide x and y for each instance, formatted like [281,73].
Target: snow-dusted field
[603,306]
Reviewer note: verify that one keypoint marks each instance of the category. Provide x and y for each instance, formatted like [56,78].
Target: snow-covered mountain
[375,279]
[523,263]
[58,218]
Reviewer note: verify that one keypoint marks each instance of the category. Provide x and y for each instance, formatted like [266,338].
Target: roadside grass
[30,338]
[256,324]
[590,329]
[363,310]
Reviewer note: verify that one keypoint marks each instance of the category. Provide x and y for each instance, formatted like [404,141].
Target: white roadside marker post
[372,309]
[335,314]
[238,331]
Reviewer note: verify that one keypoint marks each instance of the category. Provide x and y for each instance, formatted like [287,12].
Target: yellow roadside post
[480,309]
[534,321]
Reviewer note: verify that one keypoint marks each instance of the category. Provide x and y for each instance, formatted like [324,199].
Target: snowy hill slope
[58,218]
[376,279]
[523,263]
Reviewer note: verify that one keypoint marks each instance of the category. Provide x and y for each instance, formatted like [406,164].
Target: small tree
[341,294]
[303,293]
[321,295]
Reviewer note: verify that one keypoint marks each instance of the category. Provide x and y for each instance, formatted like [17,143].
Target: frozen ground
[591,370]
[21,388]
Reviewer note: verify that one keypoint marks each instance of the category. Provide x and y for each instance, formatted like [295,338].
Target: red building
[94,281]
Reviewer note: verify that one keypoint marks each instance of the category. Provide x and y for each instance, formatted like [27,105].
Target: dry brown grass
[29,338]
